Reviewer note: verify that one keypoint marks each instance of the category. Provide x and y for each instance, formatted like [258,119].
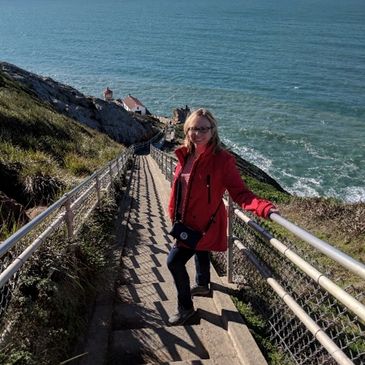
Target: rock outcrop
[105,116]
[179,115]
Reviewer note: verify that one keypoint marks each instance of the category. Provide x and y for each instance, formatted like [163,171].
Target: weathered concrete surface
[145,296]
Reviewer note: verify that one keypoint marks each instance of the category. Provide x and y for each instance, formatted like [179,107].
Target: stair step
[149,268]
[169,344]
[155,314]
[224,360]
[146,248]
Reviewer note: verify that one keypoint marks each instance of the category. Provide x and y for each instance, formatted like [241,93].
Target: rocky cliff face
[105,116]
[179,115]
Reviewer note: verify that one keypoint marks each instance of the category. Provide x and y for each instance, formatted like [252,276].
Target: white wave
[301,188]
[353,194]
[303,180]
[250,155]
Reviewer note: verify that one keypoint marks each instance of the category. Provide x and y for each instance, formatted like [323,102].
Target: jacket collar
[182,152]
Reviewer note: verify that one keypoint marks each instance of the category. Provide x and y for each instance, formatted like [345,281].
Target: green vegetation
[42,153]
[266,191]
[259,330]
[41,139]
[50,309]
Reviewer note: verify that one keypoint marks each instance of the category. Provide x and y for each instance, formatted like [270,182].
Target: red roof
[132,102]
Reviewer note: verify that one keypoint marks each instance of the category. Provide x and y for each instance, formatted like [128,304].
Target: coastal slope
[105,116]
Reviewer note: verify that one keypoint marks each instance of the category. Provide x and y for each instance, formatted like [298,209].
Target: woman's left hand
[273,210]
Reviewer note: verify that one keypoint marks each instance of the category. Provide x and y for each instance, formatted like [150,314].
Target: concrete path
[129,322]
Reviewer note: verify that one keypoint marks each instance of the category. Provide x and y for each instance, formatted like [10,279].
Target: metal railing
[311,318]
[68,213]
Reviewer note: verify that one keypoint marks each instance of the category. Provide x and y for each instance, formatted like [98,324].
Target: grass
[50,309]
[258,327]
[42,150]
[42,155]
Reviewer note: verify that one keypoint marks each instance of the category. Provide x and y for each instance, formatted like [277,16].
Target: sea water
[285,78]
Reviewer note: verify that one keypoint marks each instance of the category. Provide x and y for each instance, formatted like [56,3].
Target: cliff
[104,116]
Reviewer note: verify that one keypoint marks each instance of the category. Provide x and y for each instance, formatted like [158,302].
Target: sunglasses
[199,129]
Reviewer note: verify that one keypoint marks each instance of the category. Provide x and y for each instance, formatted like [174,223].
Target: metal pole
[111,172]
[230,240]
[171,173]
[346,261]
[166,175]
[97,186]
[118,166]
[69,218]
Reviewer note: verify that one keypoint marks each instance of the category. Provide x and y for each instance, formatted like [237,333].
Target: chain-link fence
[257,262]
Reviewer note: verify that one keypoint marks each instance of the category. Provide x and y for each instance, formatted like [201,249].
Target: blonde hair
[214,140]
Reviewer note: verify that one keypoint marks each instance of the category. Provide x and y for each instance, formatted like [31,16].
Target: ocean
[285,78]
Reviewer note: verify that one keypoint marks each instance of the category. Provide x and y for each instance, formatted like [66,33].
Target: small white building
[132,104]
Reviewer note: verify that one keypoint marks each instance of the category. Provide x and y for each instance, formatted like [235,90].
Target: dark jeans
[176,261]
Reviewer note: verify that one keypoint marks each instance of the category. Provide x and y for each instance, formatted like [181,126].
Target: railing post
[118,165]
[111,172]
[166,167]
[97,187]
[69,218]
[171,173]
[230,240]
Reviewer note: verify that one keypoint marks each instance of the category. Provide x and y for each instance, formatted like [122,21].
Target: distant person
[204,171]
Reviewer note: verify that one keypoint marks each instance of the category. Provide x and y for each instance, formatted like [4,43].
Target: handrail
[7,244]
[354,305]
[308,322]
[346,261]
[67,216]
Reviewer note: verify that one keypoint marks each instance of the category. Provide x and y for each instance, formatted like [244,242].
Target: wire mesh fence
[287,331]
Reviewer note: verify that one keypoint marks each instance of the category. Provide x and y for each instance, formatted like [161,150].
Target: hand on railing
[273,211]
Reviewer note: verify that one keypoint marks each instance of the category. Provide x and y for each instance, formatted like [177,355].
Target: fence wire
[286,330]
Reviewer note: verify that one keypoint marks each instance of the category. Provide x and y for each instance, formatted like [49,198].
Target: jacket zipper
[208,186]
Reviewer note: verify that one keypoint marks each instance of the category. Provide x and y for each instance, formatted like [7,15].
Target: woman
[204,171]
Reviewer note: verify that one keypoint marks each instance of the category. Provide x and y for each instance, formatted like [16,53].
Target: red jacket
[210,176]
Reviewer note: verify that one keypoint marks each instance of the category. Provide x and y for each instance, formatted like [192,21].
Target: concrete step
[224,360]
[147,292]
[155,314]
[170,344]
[149,266]
[133,322]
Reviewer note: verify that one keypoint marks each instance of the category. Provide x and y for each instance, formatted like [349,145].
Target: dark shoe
[200,291]
[181,316]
